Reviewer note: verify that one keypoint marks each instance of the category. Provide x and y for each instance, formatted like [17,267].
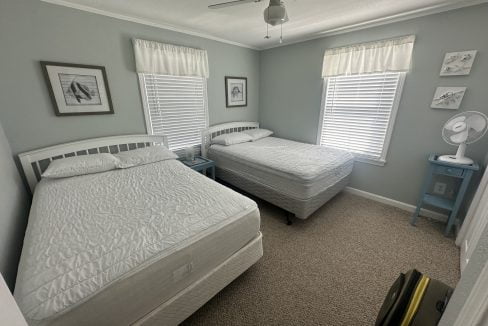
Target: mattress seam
[281,192]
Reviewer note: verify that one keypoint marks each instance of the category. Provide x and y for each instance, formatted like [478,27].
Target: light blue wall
[291,88]
[32,30]
[284,83]
[14,206]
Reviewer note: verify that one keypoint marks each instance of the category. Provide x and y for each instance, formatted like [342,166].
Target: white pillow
[143,156]
[257,134]
[80,165]
[231,139]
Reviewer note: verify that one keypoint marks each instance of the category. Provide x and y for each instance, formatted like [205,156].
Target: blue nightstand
[200,164]
[461,171]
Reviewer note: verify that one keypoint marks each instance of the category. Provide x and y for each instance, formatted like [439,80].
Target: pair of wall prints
[454,64]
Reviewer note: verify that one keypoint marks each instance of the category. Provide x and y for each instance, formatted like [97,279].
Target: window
[358,113]
[175,106]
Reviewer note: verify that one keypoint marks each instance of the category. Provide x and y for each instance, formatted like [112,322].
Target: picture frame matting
[235,92]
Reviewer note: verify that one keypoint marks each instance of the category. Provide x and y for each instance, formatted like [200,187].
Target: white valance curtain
[393,55]
[167,59]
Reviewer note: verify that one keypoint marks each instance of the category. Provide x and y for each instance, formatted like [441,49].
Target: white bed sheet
[125,238]
[296,169]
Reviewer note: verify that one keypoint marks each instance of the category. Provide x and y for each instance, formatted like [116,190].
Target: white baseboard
[398,204]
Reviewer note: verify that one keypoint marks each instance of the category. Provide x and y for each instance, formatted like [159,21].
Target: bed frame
[301,209]
[35,162]
[189,300]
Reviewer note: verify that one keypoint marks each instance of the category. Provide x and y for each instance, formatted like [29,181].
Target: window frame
[381,161]
[146,110]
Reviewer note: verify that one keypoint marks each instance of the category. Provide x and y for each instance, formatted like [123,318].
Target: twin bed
[295,176]
[150,243]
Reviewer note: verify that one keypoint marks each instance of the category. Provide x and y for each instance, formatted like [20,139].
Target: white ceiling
[244,25]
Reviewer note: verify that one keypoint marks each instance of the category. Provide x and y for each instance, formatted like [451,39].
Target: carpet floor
[334,268]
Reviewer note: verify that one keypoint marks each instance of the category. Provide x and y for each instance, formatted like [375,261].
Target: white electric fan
[462,129]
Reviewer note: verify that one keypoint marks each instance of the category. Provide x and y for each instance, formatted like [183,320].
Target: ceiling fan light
[275,15]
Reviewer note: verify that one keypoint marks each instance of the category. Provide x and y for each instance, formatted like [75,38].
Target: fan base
[455,159]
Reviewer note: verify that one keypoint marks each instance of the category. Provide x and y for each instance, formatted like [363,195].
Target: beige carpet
[333,269]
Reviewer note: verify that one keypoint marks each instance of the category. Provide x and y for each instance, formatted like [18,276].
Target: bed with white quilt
[295,176]
[136,240]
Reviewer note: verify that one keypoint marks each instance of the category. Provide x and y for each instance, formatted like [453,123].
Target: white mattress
[296,169]
[110,245]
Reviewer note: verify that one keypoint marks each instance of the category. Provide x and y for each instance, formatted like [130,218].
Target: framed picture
[448,98]
[458,63]
[235,92]
[77,89]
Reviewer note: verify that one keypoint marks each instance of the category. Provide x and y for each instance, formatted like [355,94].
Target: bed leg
[289,221]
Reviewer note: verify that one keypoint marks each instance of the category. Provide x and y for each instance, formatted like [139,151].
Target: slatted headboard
[224,128]
[35,162]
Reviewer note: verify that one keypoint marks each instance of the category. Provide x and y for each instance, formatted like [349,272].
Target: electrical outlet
[440,188]
[450,193]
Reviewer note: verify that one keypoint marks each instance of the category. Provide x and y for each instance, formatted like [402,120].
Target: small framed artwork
[448,98]
[77,89]
[235,92]
[458,63]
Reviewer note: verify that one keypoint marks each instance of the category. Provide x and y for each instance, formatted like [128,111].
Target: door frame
[475,309]
[473,223]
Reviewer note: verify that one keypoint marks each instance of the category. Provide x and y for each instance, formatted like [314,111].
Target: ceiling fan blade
[231,3]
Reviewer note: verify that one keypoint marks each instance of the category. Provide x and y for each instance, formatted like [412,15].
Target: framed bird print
[448,98]
[235,92]
[458,63]
[77,89]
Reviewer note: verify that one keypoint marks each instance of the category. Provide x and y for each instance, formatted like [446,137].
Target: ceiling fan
[274,14]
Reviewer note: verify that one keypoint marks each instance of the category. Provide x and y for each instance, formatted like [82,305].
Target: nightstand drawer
[447,170]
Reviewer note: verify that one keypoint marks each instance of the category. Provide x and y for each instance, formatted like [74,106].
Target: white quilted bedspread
[292,159]
[88,231]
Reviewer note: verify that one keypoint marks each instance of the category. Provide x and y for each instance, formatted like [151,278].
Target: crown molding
[384,21]
[452,5]
[147,22]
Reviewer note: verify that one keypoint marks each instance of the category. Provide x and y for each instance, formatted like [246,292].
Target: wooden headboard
[35,162]
[224,128]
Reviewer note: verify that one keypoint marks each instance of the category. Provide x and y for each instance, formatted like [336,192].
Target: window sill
[370,161]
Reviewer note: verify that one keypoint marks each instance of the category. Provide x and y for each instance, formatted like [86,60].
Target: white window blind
[358,113]
[175,106]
